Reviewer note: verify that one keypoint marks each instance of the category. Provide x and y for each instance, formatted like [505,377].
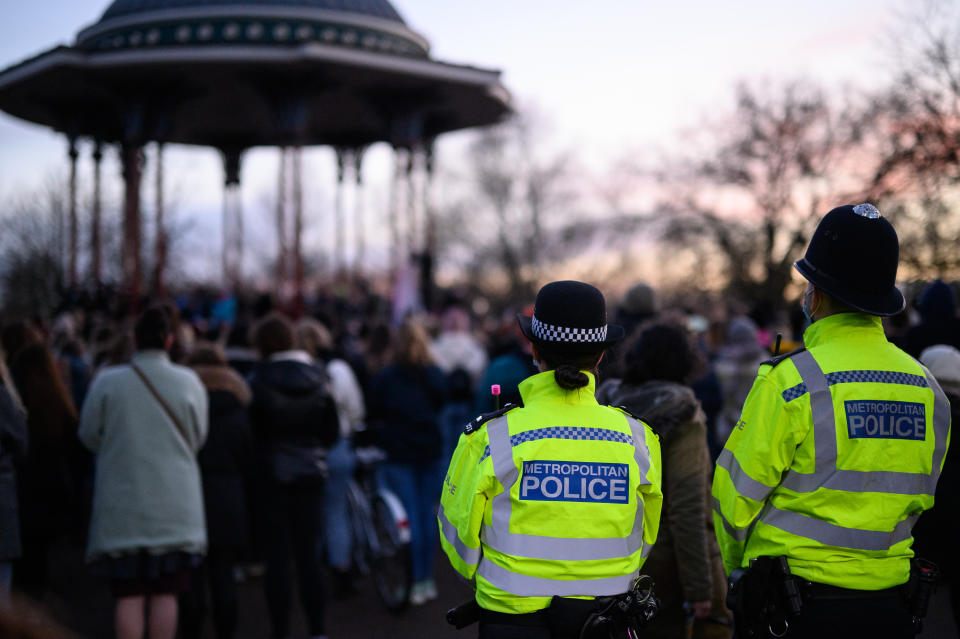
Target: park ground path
[83,604]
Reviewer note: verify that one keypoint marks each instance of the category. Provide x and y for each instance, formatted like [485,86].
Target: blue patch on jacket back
[874,419]
[602,483]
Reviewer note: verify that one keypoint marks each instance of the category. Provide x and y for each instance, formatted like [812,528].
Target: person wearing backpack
[463,360]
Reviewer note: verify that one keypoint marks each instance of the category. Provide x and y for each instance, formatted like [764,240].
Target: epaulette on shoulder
[475,424]
[624,409]
[773,361]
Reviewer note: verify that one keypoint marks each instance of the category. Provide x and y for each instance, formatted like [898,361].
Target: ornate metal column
[393,211]
[428,254]
[282,247]
[233,233]
[237,200]
[72,273]
[339,222]
[406,130]
[358,225]
[297,230]
[160,239]
[96,251]
[428,174]
[291,113]
[132,159]
[412,202]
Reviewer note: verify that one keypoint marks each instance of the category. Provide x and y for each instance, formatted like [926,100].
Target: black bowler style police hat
[853,256]
[571,315]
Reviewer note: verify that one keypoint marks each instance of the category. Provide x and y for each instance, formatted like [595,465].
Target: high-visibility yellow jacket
[836,454]
[558,497]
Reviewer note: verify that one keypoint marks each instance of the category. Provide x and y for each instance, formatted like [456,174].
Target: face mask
[806,313]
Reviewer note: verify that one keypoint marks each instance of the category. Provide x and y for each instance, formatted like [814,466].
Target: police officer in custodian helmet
[836,455]
[553,506]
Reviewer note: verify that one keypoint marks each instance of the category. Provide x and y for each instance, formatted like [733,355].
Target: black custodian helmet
[853,256]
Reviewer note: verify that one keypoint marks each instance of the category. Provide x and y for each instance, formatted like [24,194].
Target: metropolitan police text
[575,481]
[885,420]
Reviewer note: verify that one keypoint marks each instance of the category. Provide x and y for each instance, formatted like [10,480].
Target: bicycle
[381,532]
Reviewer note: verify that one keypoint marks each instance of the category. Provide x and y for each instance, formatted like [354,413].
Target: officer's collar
[847,324]
[542,387]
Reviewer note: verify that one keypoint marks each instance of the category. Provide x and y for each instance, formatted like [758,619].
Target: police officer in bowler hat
[837,452]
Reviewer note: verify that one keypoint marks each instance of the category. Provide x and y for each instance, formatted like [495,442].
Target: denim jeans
[341,461]
[418,487]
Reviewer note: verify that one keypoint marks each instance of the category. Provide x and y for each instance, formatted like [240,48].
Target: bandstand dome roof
[372,8]
[233,74]
[370,24]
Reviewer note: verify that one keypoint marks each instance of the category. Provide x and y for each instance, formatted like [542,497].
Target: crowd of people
[212,437]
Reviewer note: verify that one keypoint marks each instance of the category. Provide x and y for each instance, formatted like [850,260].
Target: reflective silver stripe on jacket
[497,536]
[527,586]
[565,548]
[641,454]
[737,533]
[469,555]
[941,425]
[646,551]
[834,535]
[827,475]
[506,471]
[744,483]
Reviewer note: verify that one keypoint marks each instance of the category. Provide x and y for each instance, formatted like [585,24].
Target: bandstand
[232,75]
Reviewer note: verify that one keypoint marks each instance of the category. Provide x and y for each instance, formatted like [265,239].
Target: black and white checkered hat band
[550,333]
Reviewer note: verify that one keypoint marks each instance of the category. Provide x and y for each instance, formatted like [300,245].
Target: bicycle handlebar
[369,455]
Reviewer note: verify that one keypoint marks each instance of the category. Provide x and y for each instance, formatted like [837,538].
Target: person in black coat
[226,461]
[937,529]
[294,420]
[13,448]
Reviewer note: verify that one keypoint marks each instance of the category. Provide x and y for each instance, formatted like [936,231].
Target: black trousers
[506,631]
[294,529]
[30,571]
[217,571]
[536,625]
[885,617]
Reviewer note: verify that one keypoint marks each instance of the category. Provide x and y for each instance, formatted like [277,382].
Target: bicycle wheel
[361,527]
[390,560]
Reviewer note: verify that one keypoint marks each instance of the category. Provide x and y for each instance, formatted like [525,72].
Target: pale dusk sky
[605,77]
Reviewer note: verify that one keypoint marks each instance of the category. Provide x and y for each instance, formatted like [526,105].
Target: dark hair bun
[569,377]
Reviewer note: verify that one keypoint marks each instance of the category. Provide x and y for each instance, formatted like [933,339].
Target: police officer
[836,454]
[559,497]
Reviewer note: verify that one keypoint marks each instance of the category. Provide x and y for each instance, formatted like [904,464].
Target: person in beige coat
[685,563]
[147,527]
